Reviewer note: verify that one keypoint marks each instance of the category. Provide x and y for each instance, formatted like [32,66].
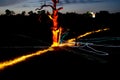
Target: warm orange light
[56,36]
[22,58]
[55,22]
[55,44]
[56,31]
[50,17]
[88,33]
[70,42]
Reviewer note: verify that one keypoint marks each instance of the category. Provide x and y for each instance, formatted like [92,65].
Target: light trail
[97,40]
[88,33]
[95,51]
[12,62]
[69,43]
[56,31]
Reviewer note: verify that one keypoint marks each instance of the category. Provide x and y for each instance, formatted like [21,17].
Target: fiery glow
[55,18]
[56,31]
[70,42]
[88,33]
[50,17]
[56,37]
[22,58]
[67,44]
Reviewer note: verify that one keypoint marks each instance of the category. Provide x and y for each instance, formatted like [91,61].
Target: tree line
[39,25]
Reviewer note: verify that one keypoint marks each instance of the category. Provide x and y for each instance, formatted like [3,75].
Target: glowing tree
[56,29]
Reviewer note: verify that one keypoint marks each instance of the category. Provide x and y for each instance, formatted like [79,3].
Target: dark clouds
[79,1]
[76,1]
[9,2]
[85,5]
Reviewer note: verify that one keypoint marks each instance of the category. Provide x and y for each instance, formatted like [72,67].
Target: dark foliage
[38,25]
[35,29]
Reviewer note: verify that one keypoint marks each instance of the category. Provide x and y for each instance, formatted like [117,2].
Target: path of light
[70,42]
[22,58]
[88,33]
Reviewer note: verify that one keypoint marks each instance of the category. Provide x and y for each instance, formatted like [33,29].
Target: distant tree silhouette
[7,12]
[41,12]
[37,24]
[30,13]
[12,13]
[23,13]
[104,12]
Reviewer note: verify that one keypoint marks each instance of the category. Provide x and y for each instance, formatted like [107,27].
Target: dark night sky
[79,6]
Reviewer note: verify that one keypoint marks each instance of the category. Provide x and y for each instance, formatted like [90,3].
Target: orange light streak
[69,42]
[56,31]
[12,62]
[88,33]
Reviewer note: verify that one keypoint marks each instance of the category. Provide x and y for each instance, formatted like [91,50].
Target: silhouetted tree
[7,12]
[12,13]
[104,12]
[30,13]
[23,13]
[41,12]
